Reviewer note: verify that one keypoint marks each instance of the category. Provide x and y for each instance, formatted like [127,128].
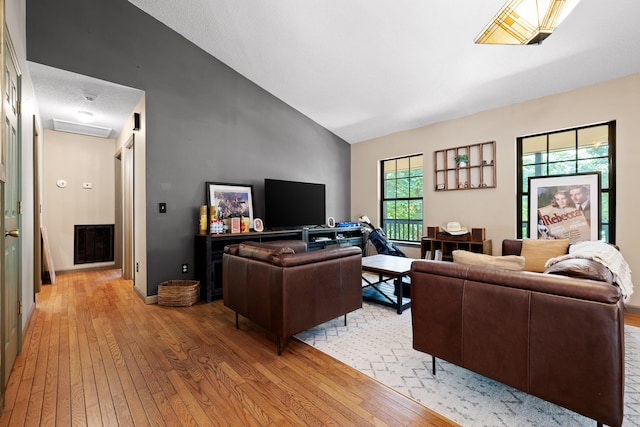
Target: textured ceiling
[368,68]
[61,94]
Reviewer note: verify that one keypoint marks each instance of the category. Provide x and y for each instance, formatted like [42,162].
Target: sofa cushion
[581,268]
[507,262]
[537,252]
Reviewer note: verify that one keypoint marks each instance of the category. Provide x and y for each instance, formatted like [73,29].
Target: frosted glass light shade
[525,21]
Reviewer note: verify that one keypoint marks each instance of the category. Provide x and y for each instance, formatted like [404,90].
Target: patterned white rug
[378,342]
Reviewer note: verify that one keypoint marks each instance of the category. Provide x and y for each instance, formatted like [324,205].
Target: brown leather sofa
[555,337]
[286,290]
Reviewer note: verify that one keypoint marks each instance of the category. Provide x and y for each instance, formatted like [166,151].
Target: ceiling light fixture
[525,21]
[85,116]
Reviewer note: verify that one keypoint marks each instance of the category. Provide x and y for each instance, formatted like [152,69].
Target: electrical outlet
[185,268]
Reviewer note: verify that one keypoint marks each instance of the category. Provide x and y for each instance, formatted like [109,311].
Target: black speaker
[136,121]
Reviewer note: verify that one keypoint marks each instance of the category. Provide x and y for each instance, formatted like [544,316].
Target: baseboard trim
[153,299]
[82,270]
[633,309]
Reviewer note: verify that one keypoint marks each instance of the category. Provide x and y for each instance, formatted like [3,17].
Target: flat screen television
[291,204]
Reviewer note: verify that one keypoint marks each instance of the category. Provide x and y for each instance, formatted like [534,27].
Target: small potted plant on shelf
[461,160]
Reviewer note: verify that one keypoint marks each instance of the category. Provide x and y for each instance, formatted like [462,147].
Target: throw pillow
[507,262]
[537,252]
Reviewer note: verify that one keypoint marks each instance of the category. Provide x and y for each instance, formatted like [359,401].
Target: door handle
[12,233]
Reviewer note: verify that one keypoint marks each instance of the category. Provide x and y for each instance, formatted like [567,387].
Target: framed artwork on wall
[565,207]
[230,201]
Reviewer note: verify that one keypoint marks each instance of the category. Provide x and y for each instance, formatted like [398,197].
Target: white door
[11,290]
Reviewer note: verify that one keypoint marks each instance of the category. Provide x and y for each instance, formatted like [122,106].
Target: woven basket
[178,293]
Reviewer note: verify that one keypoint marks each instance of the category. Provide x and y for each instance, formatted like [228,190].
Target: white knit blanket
[606,255]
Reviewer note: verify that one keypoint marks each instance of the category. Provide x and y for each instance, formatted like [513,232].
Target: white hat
[455,229]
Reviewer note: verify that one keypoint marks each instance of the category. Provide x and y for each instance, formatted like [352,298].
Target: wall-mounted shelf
[478,173]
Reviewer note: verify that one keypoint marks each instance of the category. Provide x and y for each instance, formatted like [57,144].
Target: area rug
[377,341]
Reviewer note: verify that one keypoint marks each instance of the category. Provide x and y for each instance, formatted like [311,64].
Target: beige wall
[495,209]
[77,159]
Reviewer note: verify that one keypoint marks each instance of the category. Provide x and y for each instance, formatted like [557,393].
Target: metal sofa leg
[237,327]
[433,364]
[278,345]
[345,319]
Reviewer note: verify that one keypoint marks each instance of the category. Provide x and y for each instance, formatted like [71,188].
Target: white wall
[77,159]
[495,209]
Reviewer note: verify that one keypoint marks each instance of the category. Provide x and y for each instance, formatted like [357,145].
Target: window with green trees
[565,152]
[401,208]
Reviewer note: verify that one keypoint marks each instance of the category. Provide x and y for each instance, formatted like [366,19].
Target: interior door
[11,290]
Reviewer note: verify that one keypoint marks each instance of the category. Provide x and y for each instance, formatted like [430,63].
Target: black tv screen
[290,204]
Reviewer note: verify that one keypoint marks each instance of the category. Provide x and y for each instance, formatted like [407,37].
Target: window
[565,152]
[401,209]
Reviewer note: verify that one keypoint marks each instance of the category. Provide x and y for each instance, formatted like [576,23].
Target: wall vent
[64,126]
[93,243]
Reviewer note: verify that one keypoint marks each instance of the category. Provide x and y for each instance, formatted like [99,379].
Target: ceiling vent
[64,126]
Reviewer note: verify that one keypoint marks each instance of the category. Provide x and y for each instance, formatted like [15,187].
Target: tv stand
[208,250]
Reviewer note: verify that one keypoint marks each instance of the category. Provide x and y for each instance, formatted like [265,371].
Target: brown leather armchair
[286,290]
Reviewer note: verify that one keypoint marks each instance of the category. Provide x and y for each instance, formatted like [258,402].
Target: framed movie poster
[565,207]
[230,201]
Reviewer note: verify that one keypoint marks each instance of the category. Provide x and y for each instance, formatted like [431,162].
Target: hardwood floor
[632,319]
[94,354]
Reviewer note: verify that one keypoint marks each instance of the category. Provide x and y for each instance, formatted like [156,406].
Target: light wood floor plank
[63,394]
[93,409]
[50,398]
[78,406]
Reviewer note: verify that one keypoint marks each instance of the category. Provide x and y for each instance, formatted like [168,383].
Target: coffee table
[387,267]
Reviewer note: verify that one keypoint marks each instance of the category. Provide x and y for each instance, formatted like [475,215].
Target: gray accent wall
[204,121]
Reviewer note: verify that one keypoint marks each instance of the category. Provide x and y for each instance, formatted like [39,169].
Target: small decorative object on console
[347,224]
[235,225]
[217,226]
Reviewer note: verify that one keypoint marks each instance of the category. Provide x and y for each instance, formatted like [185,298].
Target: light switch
[162,207]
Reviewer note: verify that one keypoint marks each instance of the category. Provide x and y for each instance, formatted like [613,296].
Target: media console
[208,250]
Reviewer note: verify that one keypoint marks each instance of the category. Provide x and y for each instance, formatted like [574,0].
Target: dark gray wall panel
[205,122]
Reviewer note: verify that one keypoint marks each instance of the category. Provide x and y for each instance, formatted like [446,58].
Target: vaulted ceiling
[368,68]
